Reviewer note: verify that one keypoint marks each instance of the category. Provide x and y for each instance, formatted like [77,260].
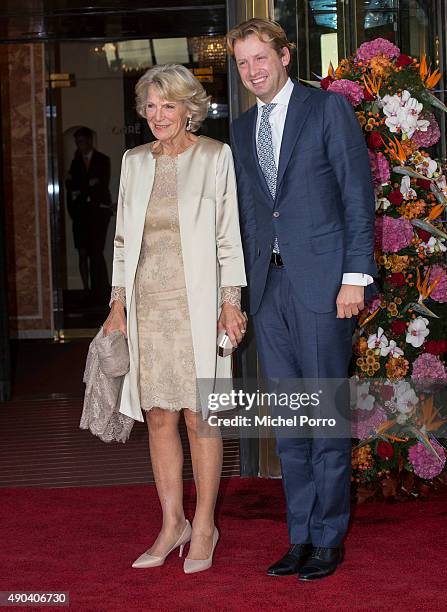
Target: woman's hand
[233,322]
[116,321]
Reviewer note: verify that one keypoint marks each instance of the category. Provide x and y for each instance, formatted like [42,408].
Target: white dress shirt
[277,121]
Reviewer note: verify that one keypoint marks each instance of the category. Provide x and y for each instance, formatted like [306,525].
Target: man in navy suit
[307,217]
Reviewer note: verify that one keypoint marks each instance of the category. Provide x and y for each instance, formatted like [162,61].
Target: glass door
[316,26]
[91,122]
[328,30]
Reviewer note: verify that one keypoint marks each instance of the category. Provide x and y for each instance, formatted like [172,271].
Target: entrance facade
[74,66]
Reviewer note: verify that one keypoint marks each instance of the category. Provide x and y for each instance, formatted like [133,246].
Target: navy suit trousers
[294,342]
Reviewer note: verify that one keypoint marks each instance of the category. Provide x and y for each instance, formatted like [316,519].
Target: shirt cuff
[356,278]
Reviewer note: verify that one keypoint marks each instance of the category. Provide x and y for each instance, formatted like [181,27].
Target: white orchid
[427,168]
[392,350]
[434,245]
[378,341]
[411,104]
[382,203]
[361,397]
[405,189]
[417,331]
[402,114]
[405,397]
[390,104]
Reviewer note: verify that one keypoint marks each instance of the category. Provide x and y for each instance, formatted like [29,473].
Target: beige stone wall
[22,78]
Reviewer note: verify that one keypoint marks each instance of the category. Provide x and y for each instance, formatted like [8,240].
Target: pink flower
[378,46]
[350,89]
[439,293]
[365,422]
[380,168]
[392,234]
[431,136]
[428,368]
[424,461]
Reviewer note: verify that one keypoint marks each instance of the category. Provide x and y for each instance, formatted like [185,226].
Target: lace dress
[167,367]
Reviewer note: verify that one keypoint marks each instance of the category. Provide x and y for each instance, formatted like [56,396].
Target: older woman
[177,270]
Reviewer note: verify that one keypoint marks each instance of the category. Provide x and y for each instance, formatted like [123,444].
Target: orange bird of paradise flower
[423,286]
[395,150]
[430,79]
[372,84]
[381,431]
[435,212]
[430,418]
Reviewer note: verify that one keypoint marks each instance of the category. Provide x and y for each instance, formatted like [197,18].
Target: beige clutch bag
[113,354]
[107,363]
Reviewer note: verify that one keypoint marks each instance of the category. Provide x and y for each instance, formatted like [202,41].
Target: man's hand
[350,301]
[233,322]
[116,319]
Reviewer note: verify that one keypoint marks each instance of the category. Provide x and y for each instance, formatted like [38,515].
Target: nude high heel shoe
[191,566]
[148,560]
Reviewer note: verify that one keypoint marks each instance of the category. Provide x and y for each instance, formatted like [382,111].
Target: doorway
[90,104]
[64,69]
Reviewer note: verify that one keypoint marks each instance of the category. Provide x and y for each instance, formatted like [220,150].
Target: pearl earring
[188,124]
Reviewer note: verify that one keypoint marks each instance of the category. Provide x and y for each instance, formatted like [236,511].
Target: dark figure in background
[90,207]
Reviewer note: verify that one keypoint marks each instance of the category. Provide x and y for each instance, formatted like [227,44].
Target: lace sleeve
[118,294]
[230,295]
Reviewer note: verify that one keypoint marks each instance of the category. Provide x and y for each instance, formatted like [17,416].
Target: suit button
[276,214]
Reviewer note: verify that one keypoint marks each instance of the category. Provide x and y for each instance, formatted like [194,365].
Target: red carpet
[84,540]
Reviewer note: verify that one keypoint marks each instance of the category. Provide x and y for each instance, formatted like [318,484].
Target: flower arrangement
[401,340]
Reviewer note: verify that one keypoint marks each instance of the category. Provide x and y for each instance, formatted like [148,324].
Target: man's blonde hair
[266,30]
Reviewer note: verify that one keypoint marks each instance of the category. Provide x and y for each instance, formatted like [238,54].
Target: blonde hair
[266,30]
[174,82]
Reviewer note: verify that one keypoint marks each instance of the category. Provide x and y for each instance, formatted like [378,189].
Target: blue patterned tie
[266,155]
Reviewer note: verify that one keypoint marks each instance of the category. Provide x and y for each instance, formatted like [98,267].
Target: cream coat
[211,246]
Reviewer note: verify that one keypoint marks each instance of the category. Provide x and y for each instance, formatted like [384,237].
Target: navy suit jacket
[324,210]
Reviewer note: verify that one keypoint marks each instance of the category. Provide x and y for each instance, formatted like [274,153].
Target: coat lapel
[143,191]
[297,113]
[250,153]
[255,158]
[136,210]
